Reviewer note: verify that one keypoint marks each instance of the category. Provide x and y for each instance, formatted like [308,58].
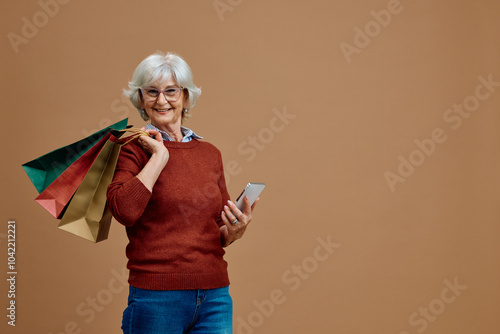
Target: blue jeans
[178,311]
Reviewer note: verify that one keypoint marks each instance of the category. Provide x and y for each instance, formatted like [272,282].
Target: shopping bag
[86,214]
[55,198]
[45,169]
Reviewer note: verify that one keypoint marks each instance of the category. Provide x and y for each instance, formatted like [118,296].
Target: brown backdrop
[373,123]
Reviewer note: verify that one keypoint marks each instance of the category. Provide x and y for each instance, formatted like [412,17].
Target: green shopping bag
[44,170]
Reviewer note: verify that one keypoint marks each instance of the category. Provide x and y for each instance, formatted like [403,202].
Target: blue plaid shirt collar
[186,132]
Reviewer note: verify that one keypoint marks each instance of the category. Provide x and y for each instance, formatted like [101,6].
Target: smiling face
[163,114]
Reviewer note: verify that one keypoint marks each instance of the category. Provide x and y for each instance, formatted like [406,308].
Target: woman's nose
[162,99]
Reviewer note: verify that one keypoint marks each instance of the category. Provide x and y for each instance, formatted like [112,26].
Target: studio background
[374,124]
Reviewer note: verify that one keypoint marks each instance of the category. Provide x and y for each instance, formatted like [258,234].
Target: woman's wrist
[150,173]
[161,156]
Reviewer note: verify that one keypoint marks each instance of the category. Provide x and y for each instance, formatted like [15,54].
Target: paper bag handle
[136,132]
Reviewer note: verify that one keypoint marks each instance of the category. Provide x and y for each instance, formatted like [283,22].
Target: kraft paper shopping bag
[86,214]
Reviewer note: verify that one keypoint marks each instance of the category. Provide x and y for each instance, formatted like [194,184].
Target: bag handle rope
[136,133]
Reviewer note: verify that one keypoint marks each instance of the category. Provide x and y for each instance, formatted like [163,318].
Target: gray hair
[162,67]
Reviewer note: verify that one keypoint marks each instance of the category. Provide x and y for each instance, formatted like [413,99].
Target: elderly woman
[169,192]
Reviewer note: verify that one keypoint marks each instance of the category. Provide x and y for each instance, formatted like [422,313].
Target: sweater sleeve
[127,196]
[223,191]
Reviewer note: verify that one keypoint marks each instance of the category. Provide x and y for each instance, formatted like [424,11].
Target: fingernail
[226,207]
[229,202]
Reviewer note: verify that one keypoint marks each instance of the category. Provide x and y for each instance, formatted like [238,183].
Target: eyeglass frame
[160,92]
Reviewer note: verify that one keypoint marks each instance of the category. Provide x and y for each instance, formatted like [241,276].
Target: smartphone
[252,190]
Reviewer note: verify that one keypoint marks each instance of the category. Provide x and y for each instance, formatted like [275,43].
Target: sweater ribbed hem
[155,281]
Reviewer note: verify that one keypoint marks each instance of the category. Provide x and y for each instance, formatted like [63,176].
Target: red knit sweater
[174,237]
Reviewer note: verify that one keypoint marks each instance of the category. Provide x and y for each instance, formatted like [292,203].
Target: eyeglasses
[171,94]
